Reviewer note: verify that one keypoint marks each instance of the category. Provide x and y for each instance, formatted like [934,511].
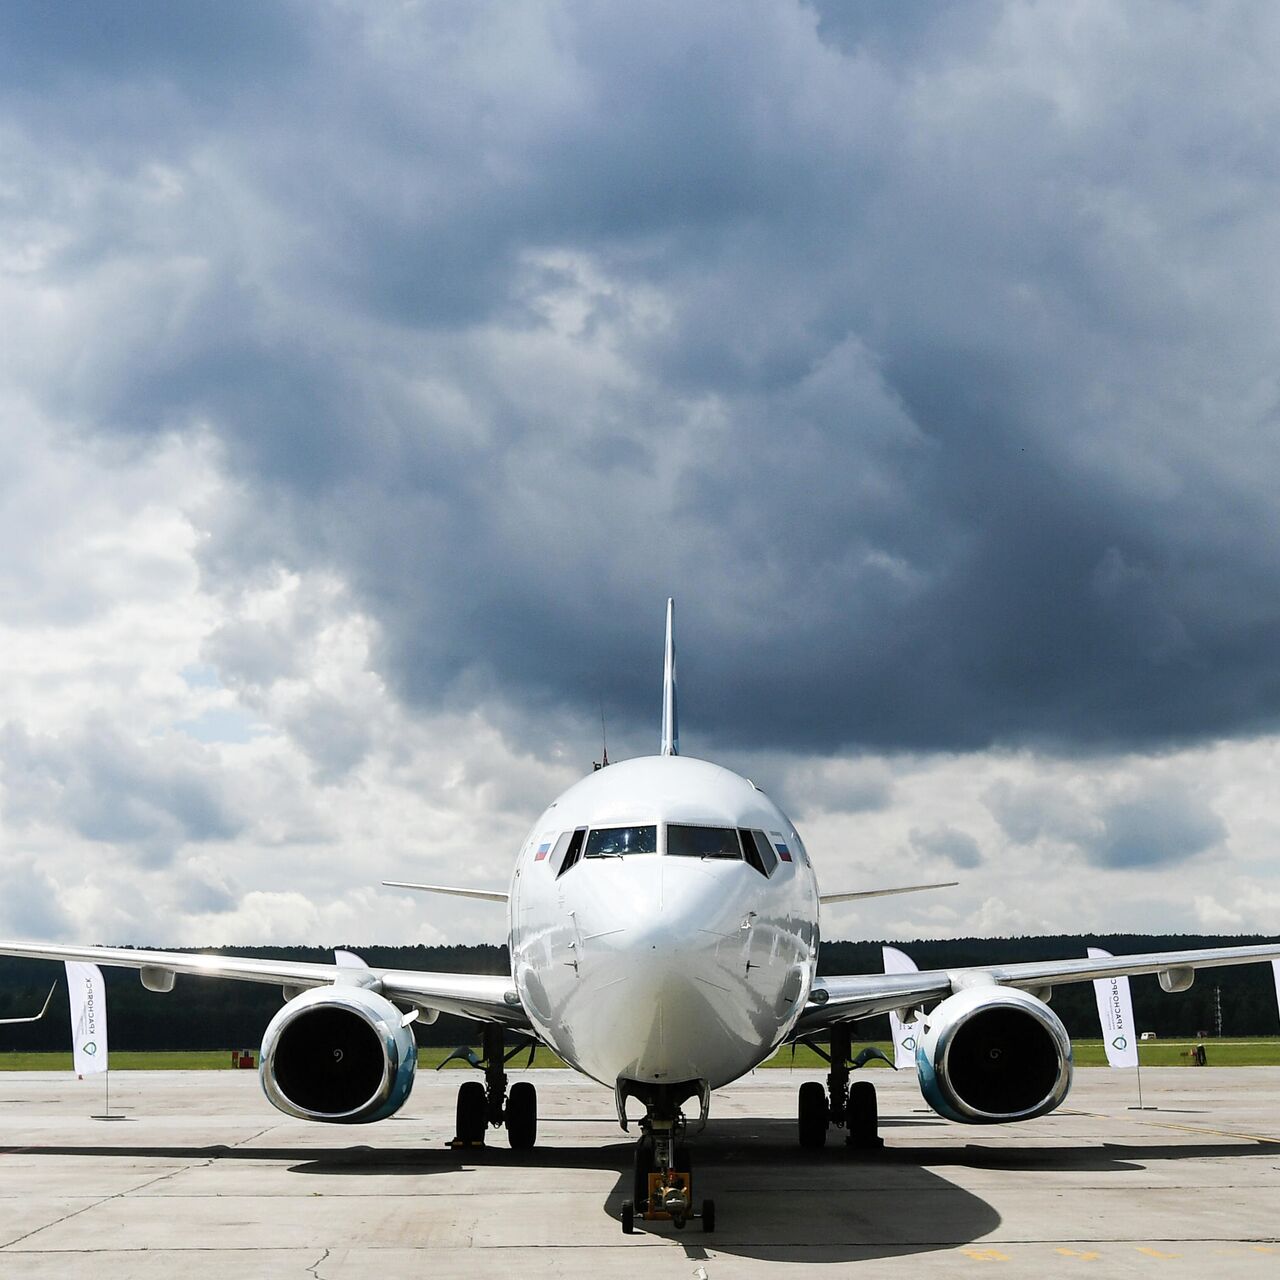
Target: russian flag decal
[543,850]
[778,843]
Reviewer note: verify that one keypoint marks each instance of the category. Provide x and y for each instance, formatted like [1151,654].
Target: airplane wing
[881,893]
[485,895]
[472,995]
[845,998]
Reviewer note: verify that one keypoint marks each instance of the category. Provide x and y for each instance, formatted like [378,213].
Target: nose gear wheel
[662,1178]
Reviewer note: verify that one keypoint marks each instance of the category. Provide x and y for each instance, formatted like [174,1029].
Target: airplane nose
[668,978]
[700,907]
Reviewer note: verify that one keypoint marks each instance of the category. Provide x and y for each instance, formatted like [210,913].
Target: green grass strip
[1242,1052]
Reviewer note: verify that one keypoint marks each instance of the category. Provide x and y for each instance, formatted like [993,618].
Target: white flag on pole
[88,1017]
[904,1034]
[1115,1011]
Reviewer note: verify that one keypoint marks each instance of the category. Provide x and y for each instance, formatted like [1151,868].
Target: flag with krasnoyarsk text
[1115,1012]
[88,999]
[904,1033]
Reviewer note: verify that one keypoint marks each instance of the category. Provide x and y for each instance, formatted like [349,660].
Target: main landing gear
[840,1104]
[662,1171]
[491,1105]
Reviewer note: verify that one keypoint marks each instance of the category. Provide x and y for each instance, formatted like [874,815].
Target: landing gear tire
[522,1116]
[708,1216]
[471,1112]
[815,1115]
[862,1119]
[628,1218]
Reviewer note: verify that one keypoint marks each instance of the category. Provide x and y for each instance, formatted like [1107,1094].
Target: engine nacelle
[339,1053]
[991,1054]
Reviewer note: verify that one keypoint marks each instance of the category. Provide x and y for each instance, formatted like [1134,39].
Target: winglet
[670,719]
[6,1022]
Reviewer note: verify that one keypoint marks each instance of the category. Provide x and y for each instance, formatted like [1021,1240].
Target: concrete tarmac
[203,1178]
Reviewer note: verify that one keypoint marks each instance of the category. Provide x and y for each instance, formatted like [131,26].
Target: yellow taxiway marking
[1185,1128]
[1155,1253]
[985,1255]
[1215,1133]
[1075,1253]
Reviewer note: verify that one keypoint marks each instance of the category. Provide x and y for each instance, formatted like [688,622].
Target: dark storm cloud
[55,48]
[1160,823]
[958,848]
[1033,810]
[30,906]
[928,362]
[1155,821]
[152,797]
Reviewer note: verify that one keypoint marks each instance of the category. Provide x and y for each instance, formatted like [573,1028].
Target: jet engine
[991,1054]
[338,1053]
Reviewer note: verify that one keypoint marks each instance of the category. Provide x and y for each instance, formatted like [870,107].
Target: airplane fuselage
[663,924]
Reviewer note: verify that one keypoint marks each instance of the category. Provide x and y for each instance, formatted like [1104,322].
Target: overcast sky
[371,374]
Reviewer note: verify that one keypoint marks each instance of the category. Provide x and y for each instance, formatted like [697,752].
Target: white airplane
[664,928]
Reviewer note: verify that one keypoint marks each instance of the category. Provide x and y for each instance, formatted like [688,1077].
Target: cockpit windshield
[618,842]
[703,842]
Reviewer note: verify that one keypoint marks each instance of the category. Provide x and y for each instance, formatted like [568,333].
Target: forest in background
[207,1013]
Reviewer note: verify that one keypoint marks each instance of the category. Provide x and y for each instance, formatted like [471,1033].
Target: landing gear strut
[840,1105]
[490,1105]
[662,1172]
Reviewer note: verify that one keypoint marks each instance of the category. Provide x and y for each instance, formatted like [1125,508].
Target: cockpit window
[619,842]
[573,850]
[703,842]
[759,852]
[557,854]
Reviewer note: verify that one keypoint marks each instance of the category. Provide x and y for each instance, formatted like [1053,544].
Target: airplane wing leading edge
[485,997]
[849,997]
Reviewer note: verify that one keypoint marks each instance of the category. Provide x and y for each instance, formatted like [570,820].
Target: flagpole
[1137,1066]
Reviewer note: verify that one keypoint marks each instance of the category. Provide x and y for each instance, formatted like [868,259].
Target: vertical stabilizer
[670,719]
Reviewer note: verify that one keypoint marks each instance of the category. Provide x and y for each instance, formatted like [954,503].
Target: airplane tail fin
[670,718]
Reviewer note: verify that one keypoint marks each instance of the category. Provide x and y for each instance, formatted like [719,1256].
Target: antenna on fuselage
[670,719]
[604,738]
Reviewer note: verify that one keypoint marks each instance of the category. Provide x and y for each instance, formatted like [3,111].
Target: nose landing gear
[490,1105]
[840,1104]
[662,1181]
[662,1173]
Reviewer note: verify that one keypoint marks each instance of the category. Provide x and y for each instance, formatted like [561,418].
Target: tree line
[210,1013]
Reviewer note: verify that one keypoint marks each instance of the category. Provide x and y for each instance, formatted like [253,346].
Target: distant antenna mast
[670,720]
[604,738]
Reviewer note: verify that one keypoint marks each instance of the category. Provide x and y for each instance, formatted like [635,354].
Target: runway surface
[204,1179]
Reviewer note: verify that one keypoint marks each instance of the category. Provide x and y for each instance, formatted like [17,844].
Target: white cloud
[1059,839]
[353,422]
[184,766]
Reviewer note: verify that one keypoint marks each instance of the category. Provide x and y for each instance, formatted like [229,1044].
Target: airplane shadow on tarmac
[774,1201]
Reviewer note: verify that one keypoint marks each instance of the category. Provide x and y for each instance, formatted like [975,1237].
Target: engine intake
[993,1054]
[340,1054]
